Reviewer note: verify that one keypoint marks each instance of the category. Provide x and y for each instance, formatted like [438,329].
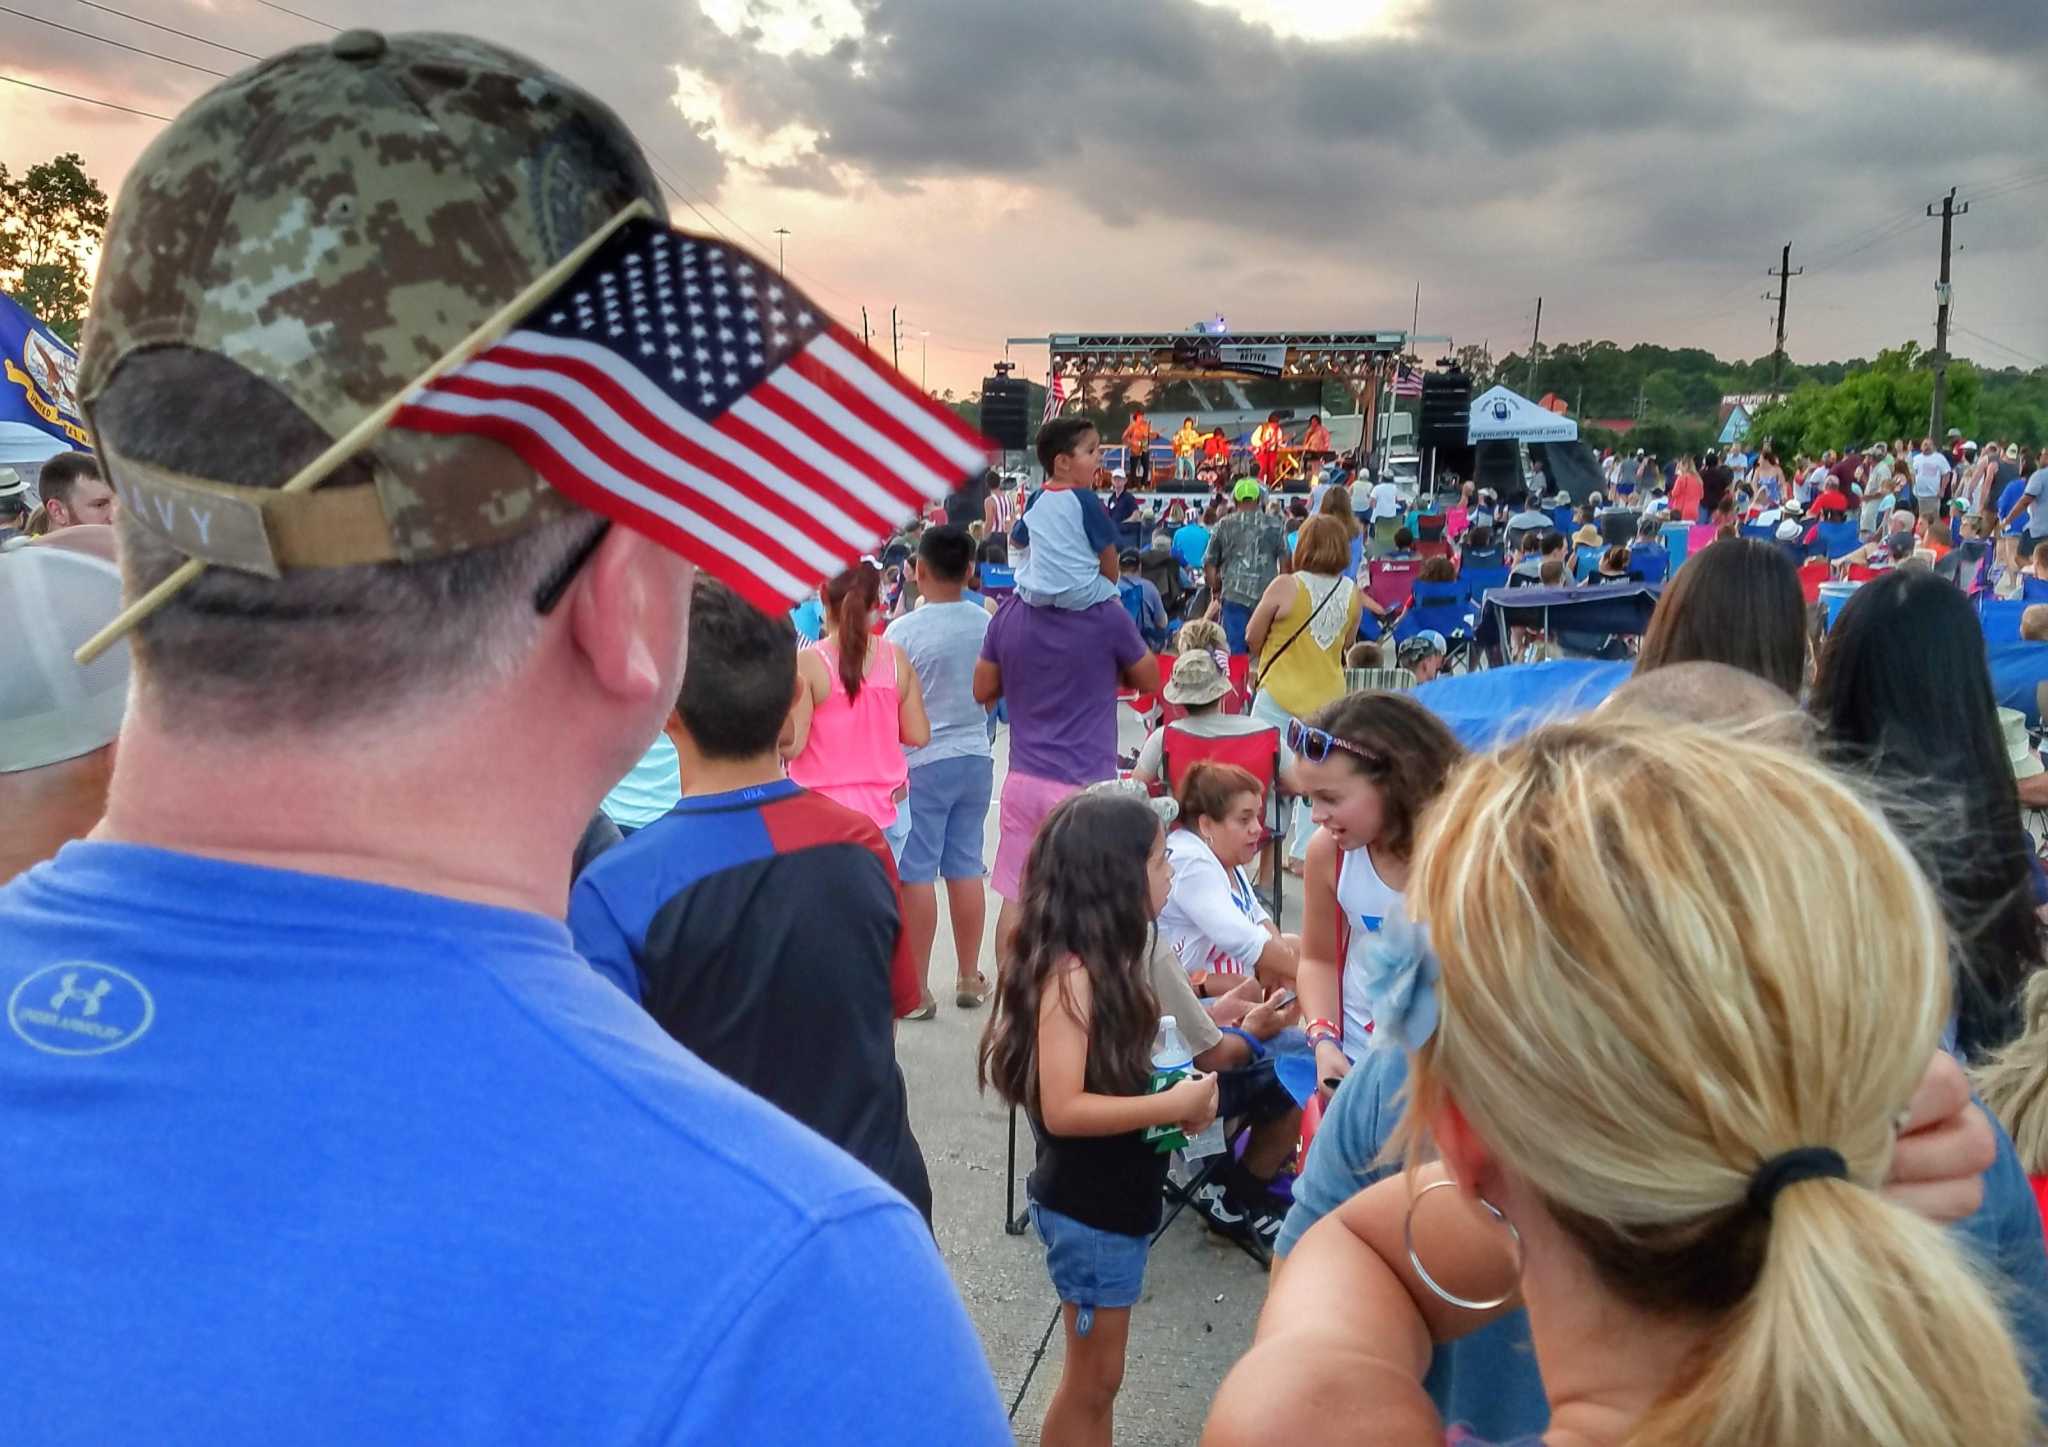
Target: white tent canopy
[1500,415]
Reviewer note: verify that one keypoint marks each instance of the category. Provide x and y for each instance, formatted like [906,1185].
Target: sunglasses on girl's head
[1314,744]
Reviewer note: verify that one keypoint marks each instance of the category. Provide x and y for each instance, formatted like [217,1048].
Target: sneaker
[1219,1209]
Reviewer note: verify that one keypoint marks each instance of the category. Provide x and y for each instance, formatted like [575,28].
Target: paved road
[1201,1298]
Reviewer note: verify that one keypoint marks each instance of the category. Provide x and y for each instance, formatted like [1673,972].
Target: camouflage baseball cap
[334,220]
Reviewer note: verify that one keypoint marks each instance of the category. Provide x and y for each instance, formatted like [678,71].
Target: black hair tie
[1805,1163]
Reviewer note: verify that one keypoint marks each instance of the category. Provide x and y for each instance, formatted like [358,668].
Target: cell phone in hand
[1281,999]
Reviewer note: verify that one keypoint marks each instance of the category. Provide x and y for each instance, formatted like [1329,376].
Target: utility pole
[1784,273]
[895,341]
[924,369]
[1949,212]
[1415,320]
[864,327]
[780,232]
[1535,346]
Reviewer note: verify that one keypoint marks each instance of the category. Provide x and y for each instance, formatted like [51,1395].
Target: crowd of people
[380,938]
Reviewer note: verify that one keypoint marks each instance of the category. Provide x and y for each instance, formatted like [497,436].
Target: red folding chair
[1240,699]
[1258,754]
[1812,574]
[1392,581]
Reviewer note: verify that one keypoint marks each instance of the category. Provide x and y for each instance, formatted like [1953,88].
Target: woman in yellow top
[1187,443]
[1299,631]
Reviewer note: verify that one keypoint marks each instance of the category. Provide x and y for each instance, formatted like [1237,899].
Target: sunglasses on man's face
[1314,744]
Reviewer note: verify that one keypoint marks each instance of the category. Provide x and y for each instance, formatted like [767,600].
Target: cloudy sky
[998,168]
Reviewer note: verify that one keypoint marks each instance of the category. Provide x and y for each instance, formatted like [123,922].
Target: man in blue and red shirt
[760,924]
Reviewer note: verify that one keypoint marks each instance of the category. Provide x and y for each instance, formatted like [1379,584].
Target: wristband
[1320,1030]
[1258,1047]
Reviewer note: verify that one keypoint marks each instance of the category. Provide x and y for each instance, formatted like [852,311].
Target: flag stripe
[671,472]
[798,455]
[946,434]
[847,409]
[552,450]
[882,510]
[729,469]
[854,400]
[798,399]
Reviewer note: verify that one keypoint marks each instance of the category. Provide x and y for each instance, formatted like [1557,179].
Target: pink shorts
[1027,799]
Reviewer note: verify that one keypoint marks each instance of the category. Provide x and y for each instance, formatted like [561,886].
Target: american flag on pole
[1055,396]
[676,385]
[1407,382]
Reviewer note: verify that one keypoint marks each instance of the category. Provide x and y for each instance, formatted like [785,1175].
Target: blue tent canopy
[1498,705]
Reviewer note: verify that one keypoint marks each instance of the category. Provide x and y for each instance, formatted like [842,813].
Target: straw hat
[1587,536]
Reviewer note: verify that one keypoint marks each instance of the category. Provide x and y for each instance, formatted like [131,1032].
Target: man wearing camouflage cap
[319,1129]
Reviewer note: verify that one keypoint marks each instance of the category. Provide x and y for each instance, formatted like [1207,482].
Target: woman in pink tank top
[858,704]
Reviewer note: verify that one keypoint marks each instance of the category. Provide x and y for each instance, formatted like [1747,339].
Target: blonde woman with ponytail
[1662,1091]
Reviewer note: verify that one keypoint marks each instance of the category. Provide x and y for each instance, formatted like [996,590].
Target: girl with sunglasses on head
[1368,764]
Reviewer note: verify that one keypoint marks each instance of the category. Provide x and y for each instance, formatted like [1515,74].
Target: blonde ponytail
[1669,956]
[1863,1325]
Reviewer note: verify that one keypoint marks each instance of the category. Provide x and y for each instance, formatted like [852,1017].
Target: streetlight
[924,371]
[780,232]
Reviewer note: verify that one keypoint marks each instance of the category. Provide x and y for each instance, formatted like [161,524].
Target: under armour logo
[89,1000]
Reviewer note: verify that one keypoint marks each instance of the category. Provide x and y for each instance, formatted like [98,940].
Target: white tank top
[1368,903]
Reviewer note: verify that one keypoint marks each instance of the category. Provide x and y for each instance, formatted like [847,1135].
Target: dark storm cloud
[1655,129]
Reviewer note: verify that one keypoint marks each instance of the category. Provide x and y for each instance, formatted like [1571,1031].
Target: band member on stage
[1315,443]
[1138,450]
[1266,439]
[1187,443]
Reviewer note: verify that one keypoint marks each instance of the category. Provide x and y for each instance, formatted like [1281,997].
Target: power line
[169,29]
[89,100]
[2002,346]
[117,44]
[297,15]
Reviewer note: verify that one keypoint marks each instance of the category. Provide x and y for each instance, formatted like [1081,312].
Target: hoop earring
[1408,1239]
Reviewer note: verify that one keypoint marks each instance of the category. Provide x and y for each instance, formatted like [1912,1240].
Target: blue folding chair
[2033,589]
[1832,540]
[1563,518]
[998,580]
[1649,563]
[1760,532]
[1586,561]
[1481,580]
[1677,541]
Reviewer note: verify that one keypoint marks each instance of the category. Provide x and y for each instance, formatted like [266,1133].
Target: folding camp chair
[1444,607]
[2001,620]
[1479,580]
[1392,581]
[2033,589]
[1835,539]
[1258,754]
[1812,574]
[1649,563]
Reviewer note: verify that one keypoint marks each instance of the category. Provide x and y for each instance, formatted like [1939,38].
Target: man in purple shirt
[1060,670]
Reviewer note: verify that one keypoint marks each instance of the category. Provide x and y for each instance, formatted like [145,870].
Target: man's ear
[629,615]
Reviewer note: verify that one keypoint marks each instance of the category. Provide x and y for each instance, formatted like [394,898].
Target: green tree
[1890,397]
[51,220]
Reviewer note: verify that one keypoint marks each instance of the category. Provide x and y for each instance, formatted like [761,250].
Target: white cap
[52,599]
[1790,531]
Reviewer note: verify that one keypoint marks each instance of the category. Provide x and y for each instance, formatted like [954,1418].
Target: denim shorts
[1091,1269]
[948,810]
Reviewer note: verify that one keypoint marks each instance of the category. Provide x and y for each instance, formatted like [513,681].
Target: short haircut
[1209,788]
[318,647]
[947,552]
[1403,538]
[1060,437]
[741,676]
[1650,528]
[1323,546]
[2034,624]
[1549,541]
[62,473]
[1437,570]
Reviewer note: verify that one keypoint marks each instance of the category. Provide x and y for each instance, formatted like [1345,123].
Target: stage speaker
[1006,412]
[1446,409]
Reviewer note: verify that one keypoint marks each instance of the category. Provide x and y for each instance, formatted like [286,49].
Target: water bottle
[1173,1062]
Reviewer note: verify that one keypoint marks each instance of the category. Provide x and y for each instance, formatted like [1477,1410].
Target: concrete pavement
[1201,1297]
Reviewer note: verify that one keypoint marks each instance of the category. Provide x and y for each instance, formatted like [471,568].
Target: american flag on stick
[1407,383]
[1055,396]
[676,385]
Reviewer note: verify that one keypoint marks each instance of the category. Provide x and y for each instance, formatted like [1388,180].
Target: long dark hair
[850,598]
[1086,895]
[1738,602]
[1408,752]
[1904,689]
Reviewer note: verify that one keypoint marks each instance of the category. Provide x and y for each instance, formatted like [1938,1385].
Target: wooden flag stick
[353,440]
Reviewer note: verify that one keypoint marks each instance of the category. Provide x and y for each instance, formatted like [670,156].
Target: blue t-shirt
[1488,1381]
[1063,532]
[650,788]
[296,1158]
[1190,544]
